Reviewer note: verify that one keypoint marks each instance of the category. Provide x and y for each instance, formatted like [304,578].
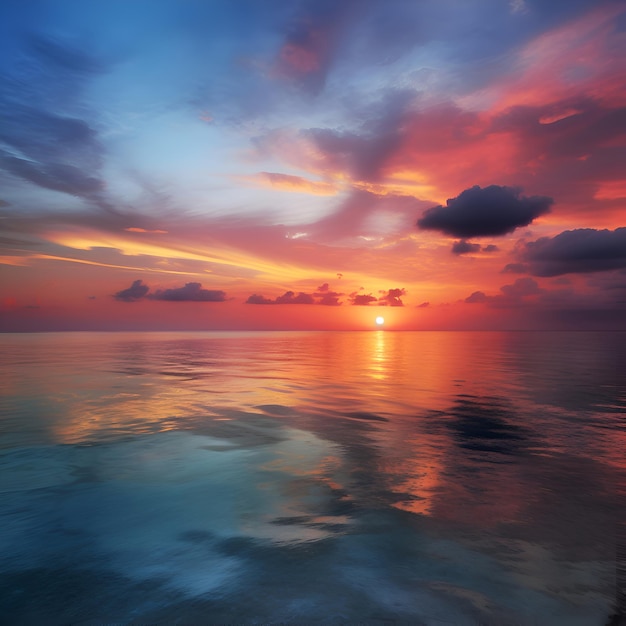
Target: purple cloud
[135,292]
[577,251]
[476,297]
[323,296]
[511,296]
[392,297]
[259,299]
[290,297]
[191,292]
[362,299]
[464,247]
[478,212]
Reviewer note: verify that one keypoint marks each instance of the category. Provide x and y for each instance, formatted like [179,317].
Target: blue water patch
[147,498]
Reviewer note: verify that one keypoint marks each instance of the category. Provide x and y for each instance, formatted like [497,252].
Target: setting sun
[380,321]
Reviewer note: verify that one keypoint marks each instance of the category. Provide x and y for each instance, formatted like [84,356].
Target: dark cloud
[327,297]
[521,287]
[290,297]
[477,212]
[464,247]
[562,280]
[424,305]
[477,296]
[577,251]
[135,292]
[191,292]
[362,299]
[45,140]
[323,296]
[258,299]
[515,268]
[46,137]
[511,295]
[56,176]
[392,297]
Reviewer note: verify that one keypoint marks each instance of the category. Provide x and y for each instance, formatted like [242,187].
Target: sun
[380,321]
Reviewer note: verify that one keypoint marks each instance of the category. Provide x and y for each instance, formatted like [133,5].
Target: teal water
[367,477]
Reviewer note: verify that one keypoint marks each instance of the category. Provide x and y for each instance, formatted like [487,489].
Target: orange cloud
[611,190]
[296,184]
[133,229]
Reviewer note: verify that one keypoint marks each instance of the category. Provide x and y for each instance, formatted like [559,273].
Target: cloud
[515,268]
[357,152]
[191,292]
[56,176]
[330,299]
[259,299]
[362,299]
[511,295]
[392,297]
[477,212]
[310,44]
[521,287]
[135,292]
[363,213]
[290,297]
[297,184]
[477,296]
[46,137]
[136,229]
[577,251]
[45,143]
[464,247]
[574,141]
[323,296]
[326,296]
[424,305]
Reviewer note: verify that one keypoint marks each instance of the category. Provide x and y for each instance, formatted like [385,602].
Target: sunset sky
[284,164]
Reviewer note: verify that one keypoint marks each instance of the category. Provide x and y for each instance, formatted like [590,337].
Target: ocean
[428,478]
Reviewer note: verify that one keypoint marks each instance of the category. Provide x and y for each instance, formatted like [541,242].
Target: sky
[314,164]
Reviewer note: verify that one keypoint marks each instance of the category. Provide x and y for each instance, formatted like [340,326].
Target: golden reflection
[417,493]
[378,365]
[394,373]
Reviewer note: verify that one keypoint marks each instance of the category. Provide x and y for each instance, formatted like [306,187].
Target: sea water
[437,478]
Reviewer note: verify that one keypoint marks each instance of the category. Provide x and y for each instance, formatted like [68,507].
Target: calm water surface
[376,477]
